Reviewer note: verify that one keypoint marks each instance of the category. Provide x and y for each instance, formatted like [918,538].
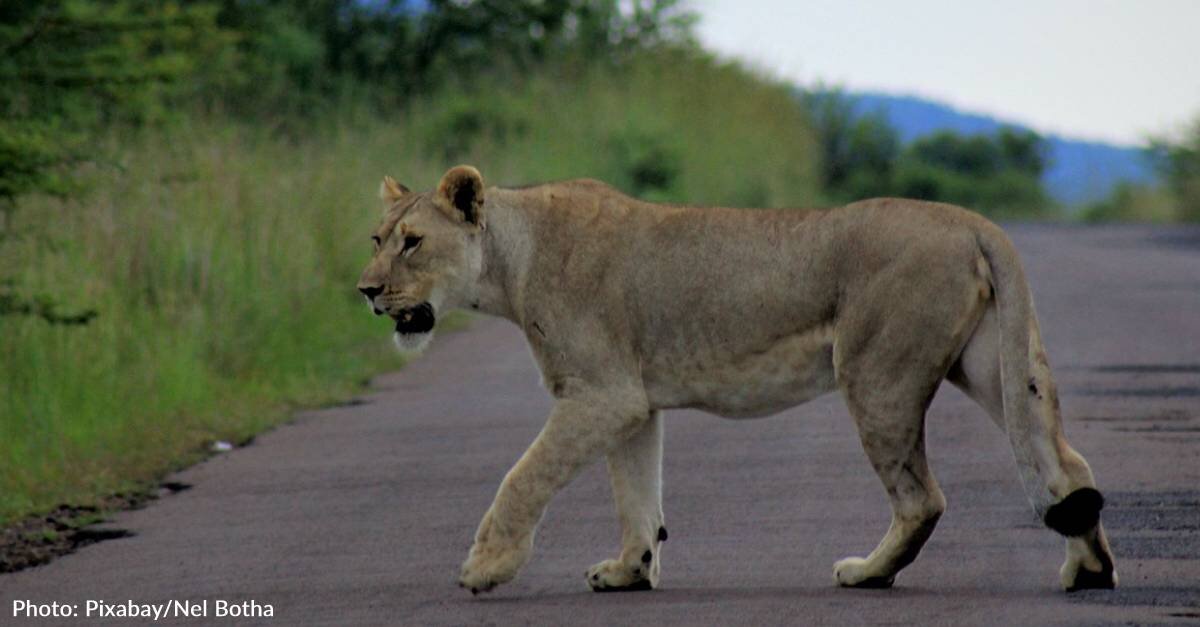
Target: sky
[1107,70]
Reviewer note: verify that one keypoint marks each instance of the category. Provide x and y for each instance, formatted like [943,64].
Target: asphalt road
[361,514]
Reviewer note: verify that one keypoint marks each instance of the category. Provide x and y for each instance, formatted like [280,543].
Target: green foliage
[997,174]
[72,66]
[461,36]
[68,67]
[1178,163]
[645,164]
[1175,198]
[298,54]
[981,156]
[859,152]
[1132,203]
[92,61]
[670,125]
[28,156]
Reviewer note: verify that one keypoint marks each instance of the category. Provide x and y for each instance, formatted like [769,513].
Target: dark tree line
[862,157]
[69,67]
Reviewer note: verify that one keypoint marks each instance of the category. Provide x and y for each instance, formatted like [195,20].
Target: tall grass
[672,126]
[221,256]
[221,263]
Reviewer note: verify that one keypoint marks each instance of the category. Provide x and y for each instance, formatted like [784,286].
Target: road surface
[361,514]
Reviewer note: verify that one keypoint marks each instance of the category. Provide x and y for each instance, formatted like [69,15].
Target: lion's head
[427,253]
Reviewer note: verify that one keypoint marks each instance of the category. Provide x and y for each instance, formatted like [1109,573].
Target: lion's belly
[746,383]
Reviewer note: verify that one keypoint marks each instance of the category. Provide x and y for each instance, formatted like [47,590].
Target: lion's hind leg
[635,468]
[889,361]
[894,440]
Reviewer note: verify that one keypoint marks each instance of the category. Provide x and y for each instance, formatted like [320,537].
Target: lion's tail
[1050,470]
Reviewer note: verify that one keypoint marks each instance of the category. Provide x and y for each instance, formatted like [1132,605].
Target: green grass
[673,126]
[221,257]
[44,535]
[222,264]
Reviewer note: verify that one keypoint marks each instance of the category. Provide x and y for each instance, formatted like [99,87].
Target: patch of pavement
[361,514]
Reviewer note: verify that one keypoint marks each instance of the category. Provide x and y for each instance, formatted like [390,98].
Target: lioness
[631,308]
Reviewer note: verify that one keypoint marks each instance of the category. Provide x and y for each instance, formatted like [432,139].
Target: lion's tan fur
[631,308]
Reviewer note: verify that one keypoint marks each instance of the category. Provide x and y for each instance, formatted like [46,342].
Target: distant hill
[1079,171]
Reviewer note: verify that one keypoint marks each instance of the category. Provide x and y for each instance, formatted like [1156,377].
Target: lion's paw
[854,572]
[488,567]
[617,576]
[1076,576]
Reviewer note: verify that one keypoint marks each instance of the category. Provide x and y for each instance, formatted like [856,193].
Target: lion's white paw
[855,572]
[615,576]
[488,567]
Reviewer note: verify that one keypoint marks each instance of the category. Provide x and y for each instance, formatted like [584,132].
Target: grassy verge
[220,263]
[220,257]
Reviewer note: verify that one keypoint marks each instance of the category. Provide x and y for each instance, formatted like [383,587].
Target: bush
[69,67]
[1133,203]
[1178,163]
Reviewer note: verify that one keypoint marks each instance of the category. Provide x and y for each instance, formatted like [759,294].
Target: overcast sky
[1112,70]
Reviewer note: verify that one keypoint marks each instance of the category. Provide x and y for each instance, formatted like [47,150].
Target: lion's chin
[412,342]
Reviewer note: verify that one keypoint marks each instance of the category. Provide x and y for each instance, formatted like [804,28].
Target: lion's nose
[371,292]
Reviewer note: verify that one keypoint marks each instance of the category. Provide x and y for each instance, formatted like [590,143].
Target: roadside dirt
[35,540]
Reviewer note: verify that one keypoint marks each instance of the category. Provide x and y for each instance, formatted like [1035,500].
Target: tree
[1023,151]
[862,156]
[999,174]
[296,53]
[70,66]
[858,152]
[1178,163]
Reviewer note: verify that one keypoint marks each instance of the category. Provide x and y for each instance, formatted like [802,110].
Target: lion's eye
[378,242]
[410,244]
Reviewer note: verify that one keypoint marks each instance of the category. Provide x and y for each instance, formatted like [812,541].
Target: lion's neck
[507,246]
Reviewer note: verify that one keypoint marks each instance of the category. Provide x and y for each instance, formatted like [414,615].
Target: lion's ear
[460,194]
[390,191]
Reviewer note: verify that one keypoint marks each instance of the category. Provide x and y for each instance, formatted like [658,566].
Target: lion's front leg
[577,431]
[496,555]
[635,468]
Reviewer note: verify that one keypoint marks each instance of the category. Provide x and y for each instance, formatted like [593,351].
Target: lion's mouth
[418,319]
